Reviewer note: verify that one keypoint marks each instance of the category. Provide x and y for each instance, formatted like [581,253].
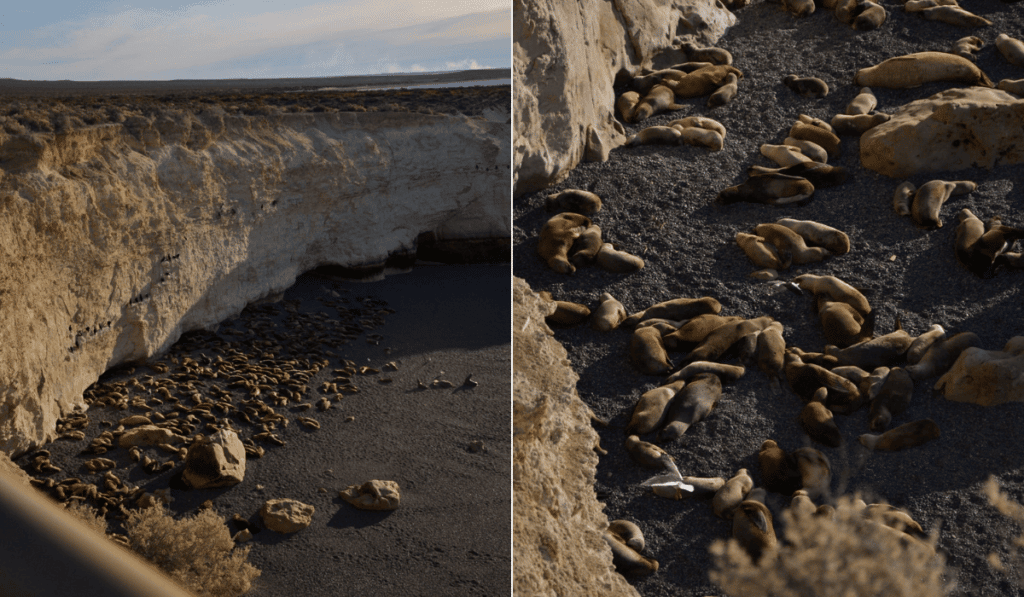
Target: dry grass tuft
[87,514]
[1015,511]
[196,551]
[848,556]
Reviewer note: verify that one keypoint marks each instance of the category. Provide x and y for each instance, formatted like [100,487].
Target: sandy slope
[658,204]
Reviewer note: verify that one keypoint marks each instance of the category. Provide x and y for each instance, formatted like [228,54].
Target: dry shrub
[849,556]
[196,551]
[87,514]
[1015,511]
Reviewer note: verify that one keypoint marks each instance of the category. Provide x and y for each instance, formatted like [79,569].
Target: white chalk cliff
[117,238]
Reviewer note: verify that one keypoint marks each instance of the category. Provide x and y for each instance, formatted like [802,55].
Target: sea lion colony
[858,369]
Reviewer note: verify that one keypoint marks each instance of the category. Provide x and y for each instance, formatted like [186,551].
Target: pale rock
[566,57]
[286,516]
[215,461]
[118,238]
[557,522]
[951,130]
[373,495]
[986,377]
[149,435]
[13,471]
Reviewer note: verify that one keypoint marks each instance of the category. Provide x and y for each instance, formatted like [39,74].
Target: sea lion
[863,103]
[731,495]
[905,436]
[810,149]
[815,471]
[726,373]
[836,241]
[1015,87]
[679,308]
[690,66]
[788,242]
[1011,260]
[646,454]
[799,8]
[626,105]
[816,134]
[968,232]
[779,470]
[914,70]
[954,15]
[870,18]
[805,379]
[902,197]
[845,124]
[701,137]
[619,262]
[659,99]
[850,372]
[760,252]
[871,385]
[699,122]
[656,135]
[941,355]
[752,528]
[567,313]
[703,81]
[626,560]
[770,354]
[574,200]
[629,533]
[817,358]
[928,199]
[663,326]
[817,421]
[608,315]
[883,351]
[919,5]
[764,275]
[649,413]
[835,289]
[696,330]
[819,174]
[923,342]
[705,487]
[996,240]
[644,83]
[892,399]
[726,93]
[801,505]
[647,353]
[693,403]
[842,324]
[811,120]
[772,189]
[783,155]
[557,236]
[847,10]
[895,518]
[965,47]
[586,246]
[806,86]
[712,55]
[722,338]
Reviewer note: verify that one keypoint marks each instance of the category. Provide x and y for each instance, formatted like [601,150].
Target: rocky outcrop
[286,516]
[215,461]
[557,520]
[951,130]
[566,57]
[118,237]
[986,377]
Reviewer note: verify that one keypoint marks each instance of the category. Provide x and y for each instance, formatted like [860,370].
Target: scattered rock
[286,516]
[986,377]
[216,461]
[149,435]
[373,495]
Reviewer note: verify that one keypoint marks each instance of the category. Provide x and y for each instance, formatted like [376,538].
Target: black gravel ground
[658,203]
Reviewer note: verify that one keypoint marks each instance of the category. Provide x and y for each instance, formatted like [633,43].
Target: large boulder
[373,495]
[286,516]
[566,57]
[986,377]
[951,130]
[557,522]
[215,461]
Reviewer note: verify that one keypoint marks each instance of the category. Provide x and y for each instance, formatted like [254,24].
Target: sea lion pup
[923,342]
[1011,49]
[798,8]
[801,505]
[914,70]
[626,105]
[608,315]
[965,47]
[628,533]
[892,400]
[567,313]
[859,124]
[586,246]
[679,308]
[726,93]
[806,86]
[812,150]
[659,99]
[771,189]
[647,353]
[701,137]
[817,421]
[726,373]
[870,18]
[905,436]
[646,454]
[649,413]
[928,199]
[691,405]
[656,135]
[815,471]
[619,262]
[770,354]
[902,197]
[644,83]
[696,330]
[557,236]
[752,528]
[779,470]
[573,200]
[819,174]
[1015,87]
[863,103]
[703,81]
[699,122]
[816,134]
[895,518]
[712,55]
[883,351]
[940,356]
[835,289]
[790,243]
[720,340]
[731,495]
[954,15]
[816,233]
[761,253]
[806,378]
[627,561]
[783,155]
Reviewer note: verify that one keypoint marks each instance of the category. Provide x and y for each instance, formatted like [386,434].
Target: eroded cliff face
[117,237]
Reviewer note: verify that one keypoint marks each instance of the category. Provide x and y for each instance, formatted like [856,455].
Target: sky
[52,40]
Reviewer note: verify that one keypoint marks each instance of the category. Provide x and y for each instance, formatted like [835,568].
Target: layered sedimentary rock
[117,237]
[557,520]
[566,57]
[986,377]
[951,130]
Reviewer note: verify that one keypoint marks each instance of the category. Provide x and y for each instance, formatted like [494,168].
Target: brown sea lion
[574,200]
[883,351]
[586,246]
[772,189]
[732,493]
[557,236]
[608,315]
[905,436]
[928,199]
[817,421]
[679,308]
[696,330]
[892,399]
[649,413]
[647,353]
[693,403]
[941,355]
[806,86]
[752,528]
[914,70]
[818,234]
[816,134]
[779,470]
[660,99]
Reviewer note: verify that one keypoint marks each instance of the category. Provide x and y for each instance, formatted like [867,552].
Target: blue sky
[219,39]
